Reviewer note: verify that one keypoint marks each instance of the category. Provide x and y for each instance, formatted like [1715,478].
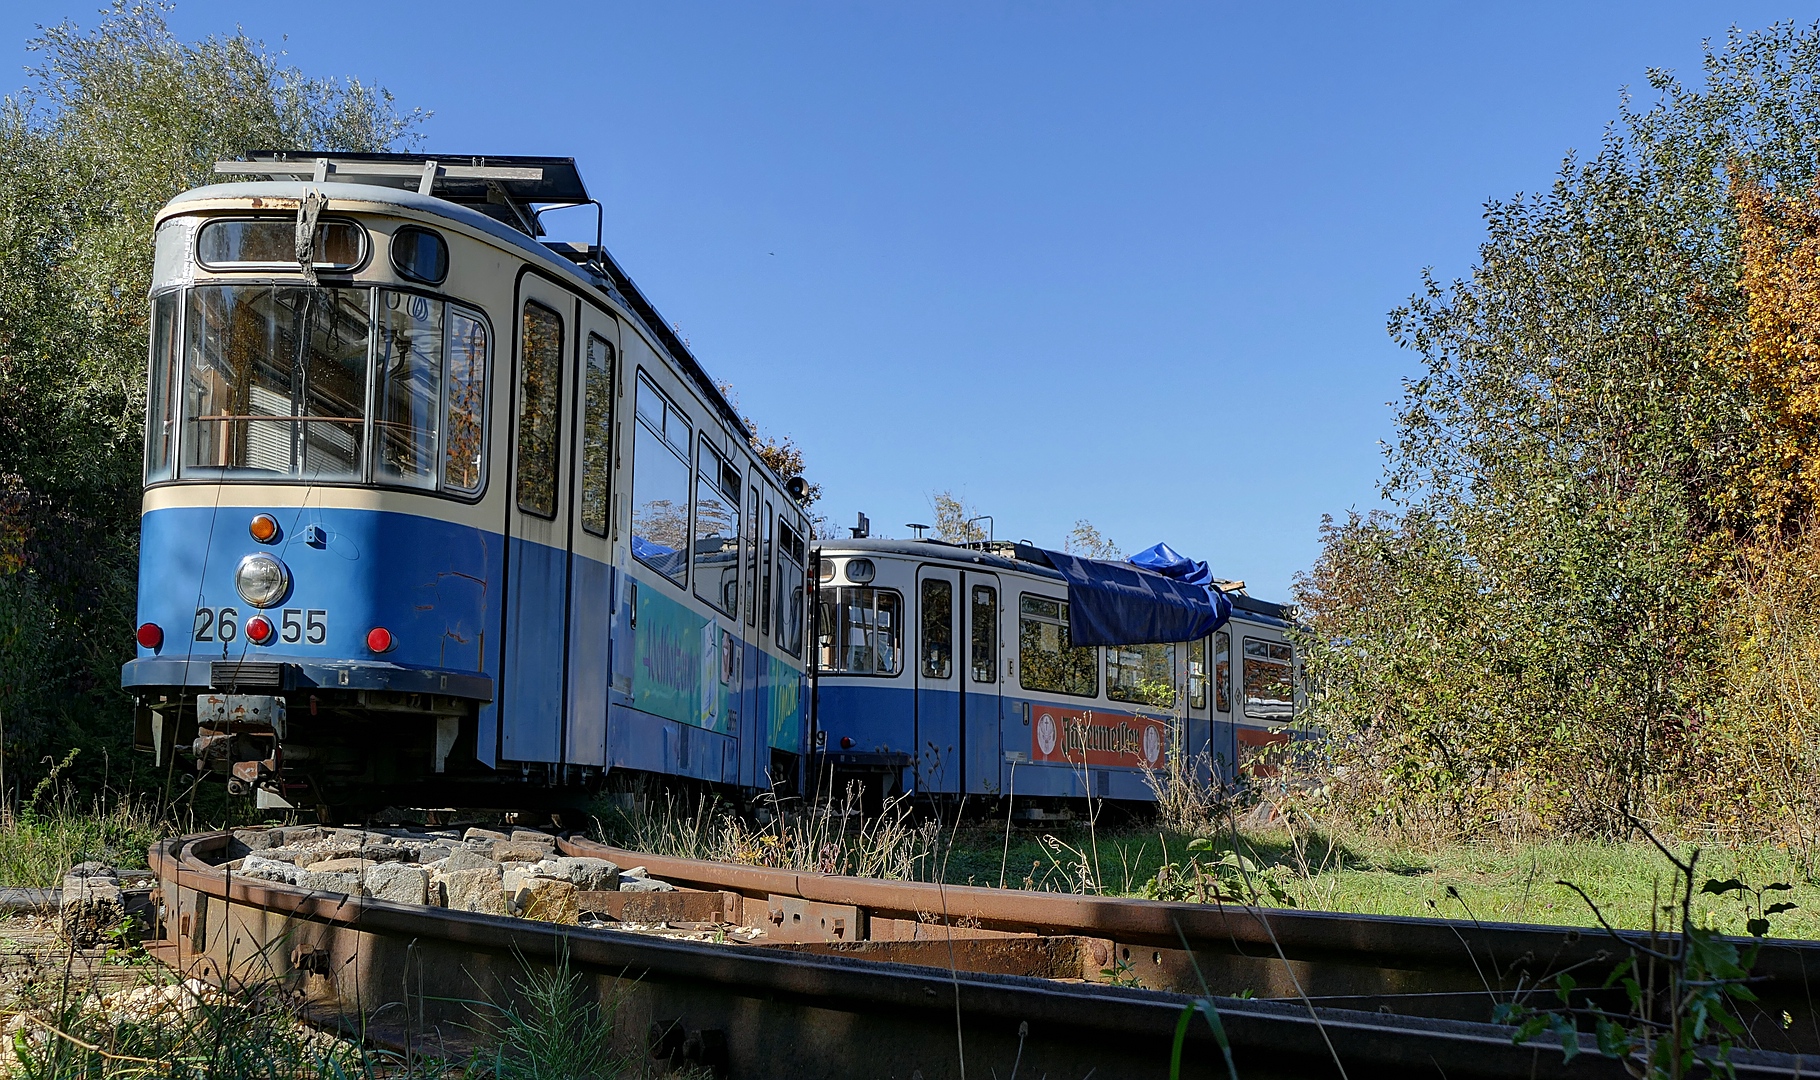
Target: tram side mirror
[797,487]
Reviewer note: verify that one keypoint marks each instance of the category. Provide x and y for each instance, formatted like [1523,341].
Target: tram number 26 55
[295,625]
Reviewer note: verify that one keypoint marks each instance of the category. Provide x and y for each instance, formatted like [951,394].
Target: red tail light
[150,635]
[259,629]
[379,639]
[846,742]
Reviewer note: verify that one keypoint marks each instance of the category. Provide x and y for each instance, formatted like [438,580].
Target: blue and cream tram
[948,671]
[432,505]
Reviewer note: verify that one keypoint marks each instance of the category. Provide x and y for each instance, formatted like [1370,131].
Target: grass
[1317,870]
[1374,877]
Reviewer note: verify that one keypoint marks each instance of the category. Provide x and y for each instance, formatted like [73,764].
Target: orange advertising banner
[1082,735]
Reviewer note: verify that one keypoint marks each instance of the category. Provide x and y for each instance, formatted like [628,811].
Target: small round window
[420,255]
[860,571]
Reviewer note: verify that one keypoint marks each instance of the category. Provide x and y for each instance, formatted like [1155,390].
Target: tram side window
[938,629]
[275,382]
[716,546]
[752,557]
[790,592]
[1197,674]
[161,393]
[1045,659]
[409,394]
[764,570]
[1141,675]
[861,631]
[1222,671]
[660,484]
[539,409]
[596,435]
[1269,682]
[464,443]
[985,634]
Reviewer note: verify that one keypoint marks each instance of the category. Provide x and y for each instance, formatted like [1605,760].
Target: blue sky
[1122,262]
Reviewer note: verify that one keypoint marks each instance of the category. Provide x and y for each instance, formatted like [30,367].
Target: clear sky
[1126,262]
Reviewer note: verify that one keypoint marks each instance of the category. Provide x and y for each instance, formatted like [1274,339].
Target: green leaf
[1614,1041]
[1200,843]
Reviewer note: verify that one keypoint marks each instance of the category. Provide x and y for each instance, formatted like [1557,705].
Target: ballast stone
[347,883]
[264,869]
[397,882]
[548,900]
[481,889]
[466,858]
[594,875]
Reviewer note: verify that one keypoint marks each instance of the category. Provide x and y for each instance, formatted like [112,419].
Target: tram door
[591,536]
[537,524]
[980,705]
[940,762]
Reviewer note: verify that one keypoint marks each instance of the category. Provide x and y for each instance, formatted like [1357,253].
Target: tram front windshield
[273,382]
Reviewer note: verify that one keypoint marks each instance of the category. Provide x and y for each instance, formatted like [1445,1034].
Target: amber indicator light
[264,528]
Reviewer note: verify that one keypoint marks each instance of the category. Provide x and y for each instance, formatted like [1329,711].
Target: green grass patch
[1373,877]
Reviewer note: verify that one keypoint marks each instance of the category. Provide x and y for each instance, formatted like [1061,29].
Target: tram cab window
[161,392]
[660,484]
[420,255]
[596,434]
[1141,675]
[270,382]
[1222,671]
[791,596]
[985,634]
[409,392]
[861,631]
[938,628]
[271,243]
[1045,658]
[1197,674]
[539,409]
[1269,680]
[464,450]
[715,550]
[275,382]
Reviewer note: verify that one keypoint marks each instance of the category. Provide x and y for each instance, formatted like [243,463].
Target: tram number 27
[296,624]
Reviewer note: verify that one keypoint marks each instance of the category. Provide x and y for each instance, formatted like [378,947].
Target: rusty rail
[1441,968]
[422,976]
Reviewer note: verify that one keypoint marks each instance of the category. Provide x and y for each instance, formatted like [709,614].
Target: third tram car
[432,505]
[947,671]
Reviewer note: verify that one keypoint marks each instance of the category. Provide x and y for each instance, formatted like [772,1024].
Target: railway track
[851,977]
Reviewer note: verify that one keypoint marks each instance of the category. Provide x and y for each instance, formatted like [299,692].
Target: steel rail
[760,1012]
[1430,967]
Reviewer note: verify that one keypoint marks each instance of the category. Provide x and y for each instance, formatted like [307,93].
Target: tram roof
[500,191]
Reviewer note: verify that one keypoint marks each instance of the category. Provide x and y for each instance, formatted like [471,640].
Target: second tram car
[947,671]
[432,506]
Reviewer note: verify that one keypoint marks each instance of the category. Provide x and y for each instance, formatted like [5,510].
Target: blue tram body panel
[429,582]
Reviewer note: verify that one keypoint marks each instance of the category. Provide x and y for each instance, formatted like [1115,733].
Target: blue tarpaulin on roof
[1158,596]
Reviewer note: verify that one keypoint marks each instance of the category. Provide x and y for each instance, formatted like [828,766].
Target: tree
[1085,540]
[117,121]
[1527,641]
[956,520]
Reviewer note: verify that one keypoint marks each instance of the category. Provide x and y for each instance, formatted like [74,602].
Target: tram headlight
[261,580]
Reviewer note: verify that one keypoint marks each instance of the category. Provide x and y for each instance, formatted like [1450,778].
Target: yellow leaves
[1777,357]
